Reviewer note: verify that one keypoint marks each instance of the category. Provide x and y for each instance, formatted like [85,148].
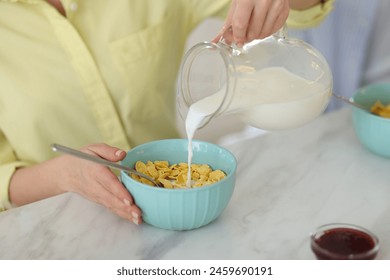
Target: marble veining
[288,183]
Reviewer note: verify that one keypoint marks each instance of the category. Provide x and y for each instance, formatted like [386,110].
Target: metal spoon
[76,153]
[353,103]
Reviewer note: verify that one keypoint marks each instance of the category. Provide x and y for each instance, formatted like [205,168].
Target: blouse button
[73,6]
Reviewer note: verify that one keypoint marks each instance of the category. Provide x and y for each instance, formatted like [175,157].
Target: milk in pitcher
[271,99]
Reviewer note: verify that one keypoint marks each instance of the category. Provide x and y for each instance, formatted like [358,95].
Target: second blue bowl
[373,131]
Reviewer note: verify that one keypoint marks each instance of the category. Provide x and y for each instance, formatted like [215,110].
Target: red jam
[344,243]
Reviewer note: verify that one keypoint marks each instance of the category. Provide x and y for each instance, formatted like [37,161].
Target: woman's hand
[98,183]
[253,19]
[71,174]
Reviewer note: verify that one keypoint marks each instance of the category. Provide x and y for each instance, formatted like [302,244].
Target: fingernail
[125,201]
[119,153]
[135,215]
[135,221]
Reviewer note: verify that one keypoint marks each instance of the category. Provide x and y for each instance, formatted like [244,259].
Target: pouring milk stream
[275,83]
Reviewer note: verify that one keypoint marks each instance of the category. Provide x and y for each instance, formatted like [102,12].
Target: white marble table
[288,183]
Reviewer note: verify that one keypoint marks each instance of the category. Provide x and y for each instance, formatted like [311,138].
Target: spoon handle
[79,154]
[350,102]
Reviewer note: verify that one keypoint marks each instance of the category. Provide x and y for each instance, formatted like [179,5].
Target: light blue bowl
[373,131]
[182,209]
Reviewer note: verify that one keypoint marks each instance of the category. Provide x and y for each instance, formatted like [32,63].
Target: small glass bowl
[339,241]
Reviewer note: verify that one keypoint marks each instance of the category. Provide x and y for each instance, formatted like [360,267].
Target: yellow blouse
[105,73]
[310,17]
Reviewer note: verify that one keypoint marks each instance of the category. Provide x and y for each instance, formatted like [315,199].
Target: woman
[96,71]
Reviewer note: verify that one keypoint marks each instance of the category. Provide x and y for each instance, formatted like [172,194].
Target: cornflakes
[175,176]
[381,110]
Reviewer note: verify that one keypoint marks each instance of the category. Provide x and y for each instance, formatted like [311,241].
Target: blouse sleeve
[8,165]
[310,17]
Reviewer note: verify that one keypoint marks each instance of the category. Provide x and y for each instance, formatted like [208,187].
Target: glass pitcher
[274,83]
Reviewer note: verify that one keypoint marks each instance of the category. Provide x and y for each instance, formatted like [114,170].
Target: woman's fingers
[111,183]
[256,23]
[275,18]
[126,210]
[105,151]
[117,197]
[248,20]
[240,20]
[226,31]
